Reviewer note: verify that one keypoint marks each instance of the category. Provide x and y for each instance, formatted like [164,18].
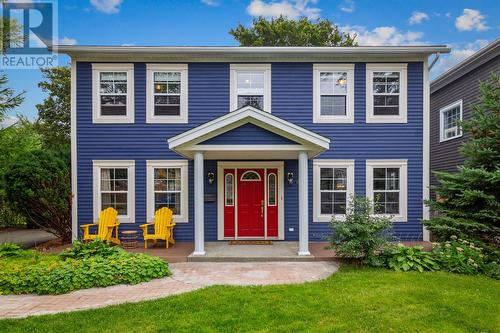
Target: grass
[362,300]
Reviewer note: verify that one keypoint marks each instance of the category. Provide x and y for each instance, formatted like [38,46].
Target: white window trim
[96,100]
[403,185]
[150,116]
[403,92]
[317,165]
[150,201]
[442,137]
[234,68]
[317,117]
[130,165]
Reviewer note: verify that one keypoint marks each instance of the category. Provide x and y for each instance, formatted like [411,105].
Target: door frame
[220,196]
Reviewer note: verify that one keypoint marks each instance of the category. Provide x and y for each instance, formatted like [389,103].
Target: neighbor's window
[251,86]
[333,184]
[334,93]
[167,187]
[386,186]
[166,93]
[450,117]
[114,187]
[386,93]
[113,93]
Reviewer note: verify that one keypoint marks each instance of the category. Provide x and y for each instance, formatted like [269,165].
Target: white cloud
[107,6]
[347,6]
[128,44]
[67,41]
[211,3]
[458,54]
[471,20]
[417,17]
[290,8]
[383,36]
[8,121]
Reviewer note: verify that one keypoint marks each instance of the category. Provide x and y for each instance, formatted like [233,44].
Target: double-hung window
[386,91]
[251,85]
[113,93]
[333,185]
[166,100]
[167,186]
[450,116]
[333,93]
[114,186]
[386,186]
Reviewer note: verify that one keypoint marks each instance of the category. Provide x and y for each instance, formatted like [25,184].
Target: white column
[199,237]
[303,205]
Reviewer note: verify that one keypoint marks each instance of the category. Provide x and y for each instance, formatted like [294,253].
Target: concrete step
[192,258]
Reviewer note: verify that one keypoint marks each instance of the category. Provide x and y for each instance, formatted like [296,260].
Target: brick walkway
[186,277]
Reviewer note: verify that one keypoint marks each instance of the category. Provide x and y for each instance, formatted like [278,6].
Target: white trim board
[74,156]
[220,195]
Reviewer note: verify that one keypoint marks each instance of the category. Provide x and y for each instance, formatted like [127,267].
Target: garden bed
[82,266]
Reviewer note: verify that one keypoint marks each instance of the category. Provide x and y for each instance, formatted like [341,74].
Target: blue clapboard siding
[248,134]
[291,100]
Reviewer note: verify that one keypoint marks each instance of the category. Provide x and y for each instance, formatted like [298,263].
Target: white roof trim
[309,140]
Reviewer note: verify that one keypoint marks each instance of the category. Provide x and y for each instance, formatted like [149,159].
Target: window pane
[326,83]
[250,83]
[327,203]
[333,105]
[272,189]
[229,190]
[167,110]
[386,111]
[340,200]
[255,101]
[340,81]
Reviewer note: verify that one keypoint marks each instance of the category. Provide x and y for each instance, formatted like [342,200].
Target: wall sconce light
[211,177]
[289,177]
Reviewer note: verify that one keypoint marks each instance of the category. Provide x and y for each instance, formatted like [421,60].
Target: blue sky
[464,25]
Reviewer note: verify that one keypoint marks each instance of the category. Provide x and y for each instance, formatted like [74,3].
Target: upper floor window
[333,93]
[450,116]
[251,85]
[333,184]
[113,93]
[166,87]
[386,186]
[386,93]
[114,186]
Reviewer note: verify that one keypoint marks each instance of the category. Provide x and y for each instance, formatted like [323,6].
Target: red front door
[251,203]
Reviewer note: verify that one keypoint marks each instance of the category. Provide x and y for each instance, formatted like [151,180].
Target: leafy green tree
[54,114]
[282,31]
[38,186]
[11,34]
[469,199]
[8,98]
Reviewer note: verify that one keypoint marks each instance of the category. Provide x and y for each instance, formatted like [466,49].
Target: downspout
[436,58]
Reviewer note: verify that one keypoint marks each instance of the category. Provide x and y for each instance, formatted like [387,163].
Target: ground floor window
[114,186]
[386,186]
[333,184]
[167,186]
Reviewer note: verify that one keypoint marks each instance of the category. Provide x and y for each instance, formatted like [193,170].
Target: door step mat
[250,242]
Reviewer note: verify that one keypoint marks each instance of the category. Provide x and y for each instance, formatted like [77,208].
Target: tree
[11,34]
[8,98]
[38,186]
[282,31]
[54,114]
[469,199]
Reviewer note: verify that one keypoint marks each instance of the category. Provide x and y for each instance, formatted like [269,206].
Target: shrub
[361,234]
[463,257]
[404,258]
[97,247]
[42,274]
[10,250]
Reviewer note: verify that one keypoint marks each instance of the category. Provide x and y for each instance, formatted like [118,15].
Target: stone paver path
[186,277]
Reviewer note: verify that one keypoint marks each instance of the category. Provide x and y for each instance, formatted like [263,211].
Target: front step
[192,258]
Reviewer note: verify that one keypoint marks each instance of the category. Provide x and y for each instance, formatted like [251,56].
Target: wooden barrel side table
[129,239]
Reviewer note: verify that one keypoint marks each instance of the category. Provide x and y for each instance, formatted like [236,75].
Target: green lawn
[354,299]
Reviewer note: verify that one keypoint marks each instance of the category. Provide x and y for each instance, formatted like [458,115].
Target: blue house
[250,143]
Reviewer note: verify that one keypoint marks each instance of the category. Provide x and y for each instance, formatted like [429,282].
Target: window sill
[113,120]
[386,120]
[448,139]
[167,120]
[328,218]
[333,120]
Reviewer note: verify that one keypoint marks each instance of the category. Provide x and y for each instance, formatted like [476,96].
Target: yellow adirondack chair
[107,223]
[163,227]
